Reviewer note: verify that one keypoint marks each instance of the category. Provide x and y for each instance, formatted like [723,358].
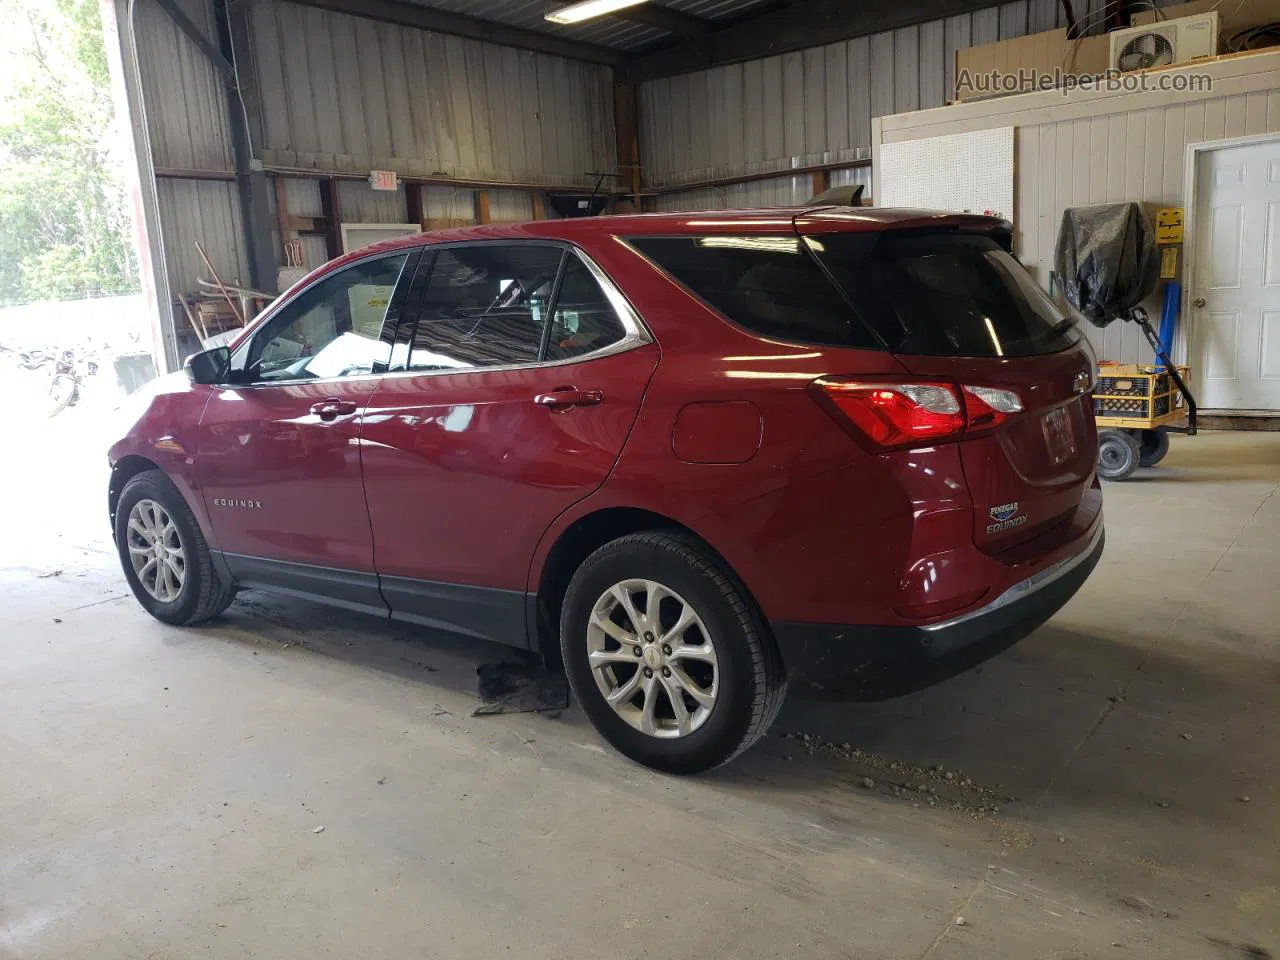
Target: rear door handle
[332,408]
[562,398]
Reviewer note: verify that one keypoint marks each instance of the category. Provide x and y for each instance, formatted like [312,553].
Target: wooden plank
[482,206]
[539,206]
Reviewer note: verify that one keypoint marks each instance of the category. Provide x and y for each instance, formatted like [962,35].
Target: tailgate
[953,305]
[1036,470]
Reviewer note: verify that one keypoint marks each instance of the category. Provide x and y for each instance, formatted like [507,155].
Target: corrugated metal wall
[346,94]
[208,213]
[1073,152]
[186,102]
[360,203]
[187,123]
[813,106]
[774,192]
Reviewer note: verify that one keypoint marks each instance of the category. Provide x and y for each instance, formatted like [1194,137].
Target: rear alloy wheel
[656,668]
[667,654]
[1152,447]
[1118,455]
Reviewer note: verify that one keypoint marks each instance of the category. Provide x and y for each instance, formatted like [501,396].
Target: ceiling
[660,37]
[614,31]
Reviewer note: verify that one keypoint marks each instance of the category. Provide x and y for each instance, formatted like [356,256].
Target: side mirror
[209,366]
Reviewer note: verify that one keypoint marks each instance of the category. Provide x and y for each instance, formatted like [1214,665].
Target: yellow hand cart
[1136,407]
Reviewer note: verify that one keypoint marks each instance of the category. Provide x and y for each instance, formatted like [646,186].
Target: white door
[1235,293]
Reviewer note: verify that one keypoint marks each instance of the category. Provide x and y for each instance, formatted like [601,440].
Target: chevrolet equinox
[691,458]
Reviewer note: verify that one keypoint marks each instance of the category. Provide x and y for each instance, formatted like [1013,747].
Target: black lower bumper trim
[875,662]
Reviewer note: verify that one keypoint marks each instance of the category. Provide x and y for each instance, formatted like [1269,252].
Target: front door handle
[562,398]
[332,408]
[1198,302]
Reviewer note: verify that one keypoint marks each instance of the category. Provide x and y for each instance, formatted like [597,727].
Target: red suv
[692,457]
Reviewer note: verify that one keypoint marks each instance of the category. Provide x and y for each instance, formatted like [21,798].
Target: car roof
[762,220]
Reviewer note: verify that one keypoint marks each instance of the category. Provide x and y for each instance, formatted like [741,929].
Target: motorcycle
[69,372]
[33,359]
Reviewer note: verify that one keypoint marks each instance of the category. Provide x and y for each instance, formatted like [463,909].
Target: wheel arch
[578,541]
[124,470]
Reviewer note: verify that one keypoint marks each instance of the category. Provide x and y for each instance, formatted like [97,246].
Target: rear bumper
[874,662]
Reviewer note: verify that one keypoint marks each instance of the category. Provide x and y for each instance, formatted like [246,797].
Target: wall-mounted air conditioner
[1164,42]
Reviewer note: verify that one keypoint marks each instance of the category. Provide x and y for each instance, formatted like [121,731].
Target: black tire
[1152,447]
[1118,455]
[751,681]
[203,594]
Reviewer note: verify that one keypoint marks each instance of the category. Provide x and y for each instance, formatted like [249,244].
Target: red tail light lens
[987,407]
[894,414]
[913,414]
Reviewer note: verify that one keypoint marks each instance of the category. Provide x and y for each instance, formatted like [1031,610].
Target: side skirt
[487,613]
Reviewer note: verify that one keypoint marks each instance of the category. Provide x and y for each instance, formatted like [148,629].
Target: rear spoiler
[849,195]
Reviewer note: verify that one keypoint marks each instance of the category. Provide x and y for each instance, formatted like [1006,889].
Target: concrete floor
[162,791]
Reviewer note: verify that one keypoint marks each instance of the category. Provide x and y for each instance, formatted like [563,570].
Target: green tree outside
[64,229]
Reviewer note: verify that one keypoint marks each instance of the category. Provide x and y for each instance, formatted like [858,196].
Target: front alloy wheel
[155,550]
[652,658]
[163,552]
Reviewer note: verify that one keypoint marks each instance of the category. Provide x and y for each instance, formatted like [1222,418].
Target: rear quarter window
[768,285]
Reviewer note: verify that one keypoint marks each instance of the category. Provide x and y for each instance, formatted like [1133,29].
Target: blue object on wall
[1169,315]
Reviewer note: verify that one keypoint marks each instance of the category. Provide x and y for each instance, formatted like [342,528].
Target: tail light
[987,407]
[915,414]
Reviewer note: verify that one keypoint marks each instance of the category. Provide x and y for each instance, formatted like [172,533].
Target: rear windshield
[944,294]
[931,294]
[768,285]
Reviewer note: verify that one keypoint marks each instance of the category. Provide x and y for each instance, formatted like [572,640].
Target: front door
[279,455]
[510,408]
[1235,293]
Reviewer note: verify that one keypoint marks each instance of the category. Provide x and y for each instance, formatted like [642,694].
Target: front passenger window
[330,330]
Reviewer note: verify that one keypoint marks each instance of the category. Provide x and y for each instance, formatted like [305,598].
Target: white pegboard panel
[958,173]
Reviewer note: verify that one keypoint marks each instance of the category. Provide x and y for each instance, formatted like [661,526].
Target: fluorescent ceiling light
[577,12]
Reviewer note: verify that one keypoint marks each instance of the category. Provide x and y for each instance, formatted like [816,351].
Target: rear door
[512,392]
[952,304]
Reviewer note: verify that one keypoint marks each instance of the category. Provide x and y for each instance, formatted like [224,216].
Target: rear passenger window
[584,321]
[484,305]
[770,285]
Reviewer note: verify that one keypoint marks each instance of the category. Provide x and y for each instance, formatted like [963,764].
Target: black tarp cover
[1107,260]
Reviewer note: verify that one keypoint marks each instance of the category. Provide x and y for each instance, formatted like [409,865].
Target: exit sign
[383,180]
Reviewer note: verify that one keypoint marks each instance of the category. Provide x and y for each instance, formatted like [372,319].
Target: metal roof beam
[458,25]
[794,27]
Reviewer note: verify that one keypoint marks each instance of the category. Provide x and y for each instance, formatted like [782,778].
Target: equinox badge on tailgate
[1006,518]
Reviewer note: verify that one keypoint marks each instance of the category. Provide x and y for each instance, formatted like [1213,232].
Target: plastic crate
[1136,394]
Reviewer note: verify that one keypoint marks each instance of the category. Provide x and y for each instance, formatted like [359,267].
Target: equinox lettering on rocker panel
[246,504]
